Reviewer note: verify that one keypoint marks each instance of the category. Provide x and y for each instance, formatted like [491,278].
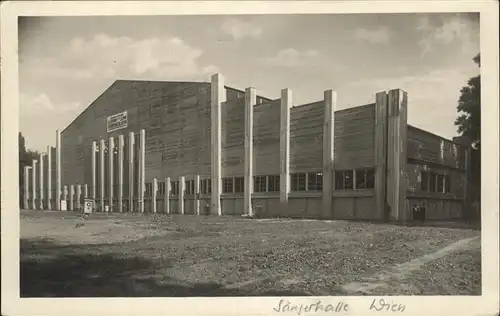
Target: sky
[65,63]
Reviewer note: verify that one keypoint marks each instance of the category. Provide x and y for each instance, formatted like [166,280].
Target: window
[227,185]
[440,183]
[344,180]
[259,183]
[273,183]
[239,185]
[365,178]
[298,182]
[208,186]
[432,181]
[175,188]
[161,188]
[424,178]
[314,181]
[190,187]
[203,186]
[447,184]
[149,189]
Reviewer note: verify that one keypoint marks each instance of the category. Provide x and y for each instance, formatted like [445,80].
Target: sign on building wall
[117,121]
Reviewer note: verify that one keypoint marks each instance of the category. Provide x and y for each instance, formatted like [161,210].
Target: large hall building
[204,148]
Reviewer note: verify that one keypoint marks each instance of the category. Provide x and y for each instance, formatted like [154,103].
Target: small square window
[298,182]
[314,181]
[273,183]
[227,185]
[365,178]
[239,185]
[161,188]
[190,187]
[259,183]
[175,188]
[344,180]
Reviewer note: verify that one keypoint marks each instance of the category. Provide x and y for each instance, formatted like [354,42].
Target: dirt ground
[133,255]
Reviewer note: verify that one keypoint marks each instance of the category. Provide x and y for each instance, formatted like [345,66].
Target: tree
[469,128]
[469,108]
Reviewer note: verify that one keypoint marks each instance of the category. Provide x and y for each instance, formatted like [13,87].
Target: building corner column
[218,96]
[102,176]
[397,140]
[168,189]
[33,174]
[154,193]
[40,178]
[131,157]
[111,157]
[58,170]
[381,130]
[250,101]
[26,187]
[49,177]
[330,102]
[182,189]
[197,195]
[120,172]
[141,185]
[94,171]
[286,104]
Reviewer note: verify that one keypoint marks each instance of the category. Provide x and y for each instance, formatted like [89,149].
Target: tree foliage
[469,127]
[469,109]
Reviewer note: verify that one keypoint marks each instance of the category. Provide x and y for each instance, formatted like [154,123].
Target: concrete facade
[208,149]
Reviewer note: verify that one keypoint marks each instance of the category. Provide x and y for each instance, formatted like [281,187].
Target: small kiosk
[88,206]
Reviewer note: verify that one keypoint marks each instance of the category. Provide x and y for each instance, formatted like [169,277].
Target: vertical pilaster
[71,197]
[286,104]
[218,96]
[142,157]
[197,195]
[40,178]
[49,177]
[396,154]
[250,101]
[120,173]
[168,189]
[78,197]
[58,170]
[155,190]
[131,171]
[111,155]
[65,196]
[33,174]
[330,99]
[26,187]
[94,170]
[85,191]
[182,189]
[381,129]
[101,174]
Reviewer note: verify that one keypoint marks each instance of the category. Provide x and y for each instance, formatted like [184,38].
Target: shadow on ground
[76,272]
[473,225]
